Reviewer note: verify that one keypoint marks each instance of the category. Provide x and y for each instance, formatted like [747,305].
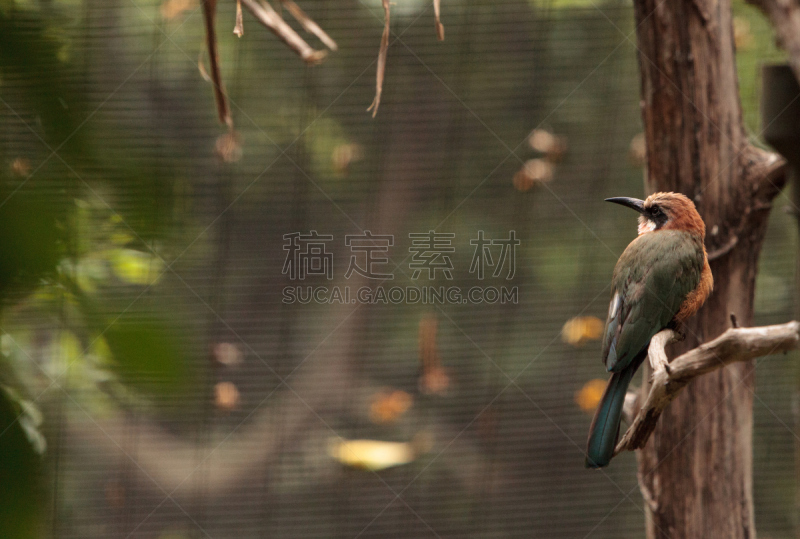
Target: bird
[660,280]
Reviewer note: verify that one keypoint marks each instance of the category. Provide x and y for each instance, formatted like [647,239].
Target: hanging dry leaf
[201,67]
[344,155]
[21,166]
[270,18]
[309,25]
[437,15]
[226,396]
[637,152]
[172,8]
[384,50]
[428,352]
[533,172]
[227,354]
[578,330]
[588,397]
[387,406]
[238,28]
[229,147]
[552,146]
[209,16]
[434,379]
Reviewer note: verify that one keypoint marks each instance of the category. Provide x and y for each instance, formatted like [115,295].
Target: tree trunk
[696,471]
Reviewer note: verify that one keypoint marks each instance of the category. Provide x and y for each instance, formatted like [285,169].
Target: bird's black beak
[632,203]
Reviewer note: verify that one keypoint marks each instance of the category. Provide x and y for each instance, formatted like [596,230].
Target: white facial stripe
[646,225]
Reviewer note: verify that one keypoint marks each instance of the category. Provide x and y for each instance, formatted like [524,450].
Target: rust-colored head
[665,211]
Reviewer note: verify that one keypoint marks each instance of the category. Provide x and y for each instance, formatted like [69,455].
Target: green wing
[651,280]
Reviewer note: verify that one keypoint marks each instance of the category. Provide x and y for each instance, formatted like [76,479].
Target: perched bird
[660,280]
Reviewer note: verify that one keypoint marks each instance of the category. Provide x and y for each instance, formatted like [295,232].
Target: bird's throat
[646,225]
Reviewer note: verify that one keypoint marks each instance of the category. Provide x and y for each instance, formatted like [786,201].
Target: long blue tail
[605,425]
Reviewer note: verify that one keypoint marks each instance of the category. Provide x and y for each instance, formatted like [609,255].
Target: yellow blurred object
[121,238]
[387,407]
[588,397]
[226,396]
[580,329]
[172,8]
[136,267]
[377,454]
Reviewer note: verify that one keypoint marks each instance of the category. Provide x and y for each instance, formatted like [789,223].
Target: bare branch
[309,24]
[724,249]
[437,9]
[656,353]
[238,29]
[267,16]
[736,344]
[209,16]
[381,60]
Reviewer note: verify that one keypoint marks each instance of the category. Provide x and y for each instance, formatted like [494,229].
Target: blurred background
[154,383]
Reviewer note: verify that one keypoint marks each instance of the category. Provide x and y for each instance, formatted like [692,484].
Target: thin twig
[267,16]
[209,16]
[381,60]
[437,8]
[309,24]
[238,29]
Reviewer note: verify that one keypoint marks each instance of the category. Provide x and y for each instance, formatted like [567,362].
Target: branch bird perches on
[736,344]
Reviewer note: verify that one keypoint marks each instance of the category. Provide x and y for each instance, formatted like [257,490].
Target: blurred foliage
[755,45]
[33,238]
[60,239]
[21,468]
[33,48]
[149,357]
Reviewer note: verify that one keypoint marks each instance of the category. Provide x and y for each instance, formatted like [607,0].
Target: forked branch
[736,344]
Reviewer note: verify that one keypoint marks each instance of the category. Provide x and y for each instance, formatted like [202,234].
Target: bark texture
[696,471]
